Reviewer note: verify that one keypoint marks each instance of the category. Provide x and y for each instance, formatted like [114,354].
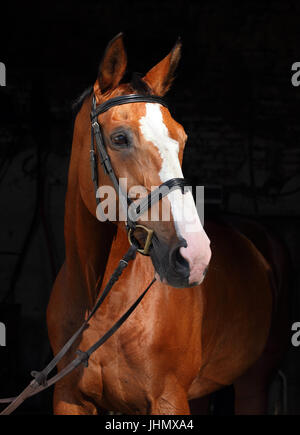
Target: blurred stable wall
[233,94]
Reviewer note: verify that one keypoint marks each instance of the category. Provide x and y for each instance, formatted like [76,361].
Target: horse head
[145,148]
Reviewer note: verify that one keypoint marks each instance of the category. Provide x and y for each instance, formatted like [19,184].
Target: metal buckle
[145,250]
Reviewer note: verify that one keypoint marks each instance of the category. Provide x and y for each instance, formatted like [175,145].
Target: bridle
[136,209]
[41,381]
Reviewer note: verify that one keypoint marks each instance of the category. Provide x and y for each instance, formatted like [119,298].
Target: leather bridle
[136,209]
[41,380]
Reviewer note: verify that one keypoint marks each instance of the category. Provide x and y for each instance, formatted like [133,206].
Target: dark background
[233,94]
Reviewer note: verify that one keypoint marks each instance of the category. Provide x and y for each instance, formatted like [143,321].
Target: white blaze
[186,219]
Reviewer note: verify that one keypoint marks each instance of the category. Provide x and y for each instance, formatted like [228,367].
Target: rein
[41,381]
[133,211]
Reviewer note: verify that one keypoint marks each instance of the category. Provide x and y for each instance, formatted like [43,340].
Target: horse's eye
[119,139]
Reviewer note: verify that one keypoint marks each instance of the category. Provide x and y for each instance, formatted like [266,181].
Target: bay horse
[205,322]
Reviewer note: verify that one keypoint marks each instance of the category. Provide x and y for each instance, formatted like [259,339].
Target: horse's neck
[88,244]
[137,275]
[87,240]
[92,248]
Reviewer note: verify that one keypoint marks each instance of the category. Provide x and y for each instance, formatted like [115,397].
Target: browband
[124,99]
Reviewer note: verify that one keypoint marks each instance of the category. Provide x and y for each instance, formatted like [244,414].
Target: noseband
[132,210]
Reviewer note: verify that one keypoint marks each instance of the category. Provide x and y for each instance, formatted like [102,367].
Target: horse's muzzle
[169,264]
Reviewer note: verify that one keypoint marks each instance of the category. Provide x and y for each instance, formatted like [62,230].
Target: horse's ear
[112,67]
[161,76]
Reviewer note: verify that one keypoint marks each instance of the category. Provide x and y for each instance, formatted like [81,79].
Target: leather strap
[105,162]
[40,381]
[125,99]
[127,204]
[137,209]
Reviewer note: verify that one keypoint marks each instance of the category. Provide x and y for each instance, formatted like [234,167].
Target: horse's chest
[135,361]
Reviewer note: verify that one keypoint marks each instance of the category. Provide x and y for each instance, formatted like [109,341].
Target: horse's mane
[136,85]
[78,102]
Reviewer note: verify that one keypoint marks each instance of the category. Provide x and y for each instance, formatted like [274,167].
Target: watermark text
[2,334]
[2,74]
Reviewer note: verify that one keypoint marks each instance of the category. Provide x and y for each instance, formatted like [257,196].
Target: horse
[206,321]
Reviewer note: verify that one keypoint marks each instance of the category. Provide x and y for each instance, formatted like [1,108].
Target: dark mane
[137,85]
[77,103]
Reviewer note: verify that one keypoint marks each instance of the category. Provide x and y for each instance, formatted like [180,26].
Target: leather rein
[41,381]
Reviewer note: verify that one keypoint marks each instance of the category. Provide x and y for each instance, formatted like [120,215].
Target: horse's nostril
[179,263]
[179,258]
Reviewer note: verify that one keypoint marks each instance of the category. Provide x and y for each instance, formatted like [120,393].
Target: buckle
[145,250]
[95,125]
